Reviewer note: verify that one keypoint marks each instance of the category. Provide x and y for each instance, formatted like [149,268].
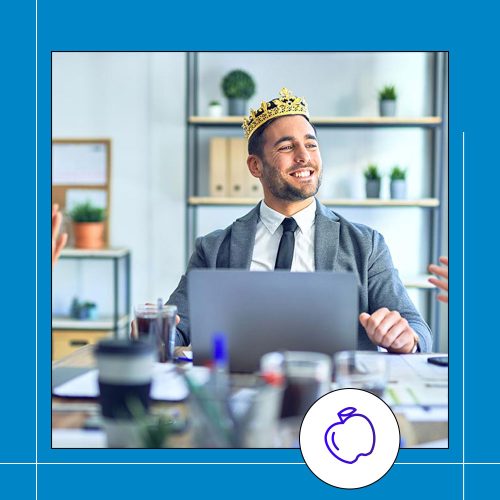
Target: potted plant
[238,86]
[387,100]
[372,177]
[214,109]
[88,224]
[398,182]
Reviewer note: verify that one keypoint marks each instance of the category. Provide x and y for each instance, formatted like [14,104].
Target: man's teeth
[303,173]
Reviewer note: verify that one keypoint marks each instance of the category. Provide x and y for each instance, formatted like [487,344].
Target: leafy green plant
[86,212]
[214,103]
[372,173]
[154,430]
[388,93]
[238,84]
[398,173]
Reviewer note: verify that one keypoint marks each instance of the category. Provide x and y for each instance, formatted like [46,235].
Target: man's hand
[388,329]
[440,283]
[58,242]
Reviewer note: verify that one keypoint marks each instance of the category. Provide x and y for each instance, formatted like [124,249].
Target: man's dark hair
[256,142]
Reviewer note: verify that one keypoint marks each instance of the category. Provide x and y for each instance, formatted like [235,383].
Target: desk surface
[417,393]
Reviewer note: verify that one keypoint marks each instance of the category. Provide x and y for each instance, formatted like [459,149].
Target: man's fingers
[56,224]
[443,260]
[383,329]
[363,319]
[133,330]
[439,283]
[398,336]
[440,271]
[177,319]
[374,320]
[378,316]
[403,344]
[443,298]
[59,245]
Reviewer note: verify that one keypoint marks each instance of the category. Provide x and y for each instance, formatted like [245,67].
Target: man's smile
[303,173]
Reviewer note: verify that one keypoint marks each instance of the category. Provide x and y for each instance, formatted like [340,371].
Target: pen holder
[210,422]
[259,427]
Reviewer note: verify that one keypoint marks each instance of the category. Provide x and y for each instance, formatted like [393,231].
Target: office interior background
[139,101]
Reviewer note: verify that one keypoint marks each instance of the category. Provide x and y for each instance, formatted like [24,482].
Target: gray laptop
[271,311]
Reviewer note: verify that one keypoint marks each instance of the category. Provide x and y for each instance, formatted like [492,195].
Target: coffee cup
[125,374]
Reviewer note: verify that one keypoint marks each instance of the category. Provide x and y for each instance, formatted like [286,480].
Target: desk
[417,393]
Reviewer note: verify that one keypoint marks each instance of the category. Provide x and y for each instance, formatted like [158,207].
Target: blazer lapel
[326,238]
[242,240]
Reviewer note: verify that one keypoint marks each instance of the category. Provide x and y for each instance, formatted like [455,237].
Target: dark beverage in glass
[157,326]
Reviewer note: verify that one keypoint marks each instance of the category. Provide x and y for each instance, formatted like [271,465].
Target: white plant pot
[215,110]
[398,190]
[387,107]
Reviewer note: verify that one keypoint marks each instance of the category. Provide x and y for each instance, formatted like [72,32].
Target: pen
[179,359]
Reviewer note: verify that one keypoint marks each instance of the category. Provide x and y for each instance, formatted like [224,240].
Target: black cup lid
[123,347]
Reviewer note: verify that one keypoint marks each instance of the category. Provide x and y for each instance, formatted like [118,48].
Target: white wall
[138,101]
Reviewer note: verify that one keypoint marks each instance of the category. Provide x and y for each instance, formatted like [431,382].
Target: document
[219,173]
[167,385]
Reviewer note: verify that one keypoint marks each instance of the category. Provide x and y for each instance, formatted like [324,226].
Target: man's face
[291,159]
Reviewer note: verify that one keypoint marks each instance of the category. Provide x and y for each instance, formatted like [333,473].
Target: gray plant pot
[373,188]
[387,107]
[237,107]
[398,190]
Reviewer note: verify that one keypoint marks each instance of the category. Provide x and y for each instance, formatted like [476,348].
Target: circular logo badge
[349,438]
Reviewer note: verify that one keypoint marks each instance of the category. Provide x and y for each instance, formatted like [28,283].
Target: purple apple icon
[353,436]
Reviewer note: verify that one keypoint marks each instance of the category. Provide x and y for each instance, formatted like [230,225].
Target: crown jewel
[286,104]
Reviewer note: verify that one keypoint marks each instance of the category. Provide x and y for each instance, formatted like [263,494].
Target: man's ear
[255,166]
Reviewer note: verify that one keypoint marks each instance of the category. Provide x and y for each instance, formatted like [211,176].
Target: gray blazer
[339,245]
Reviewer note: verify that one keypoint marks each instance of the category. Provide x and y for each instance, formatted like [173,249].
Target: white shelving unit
[436,124]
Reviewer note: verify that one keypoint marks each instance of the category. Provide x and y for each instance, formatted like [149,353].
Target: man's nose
[302,154]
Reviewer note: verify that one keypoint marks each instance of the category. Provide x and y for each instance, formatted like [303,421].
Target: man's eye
[285,148]
[312,146]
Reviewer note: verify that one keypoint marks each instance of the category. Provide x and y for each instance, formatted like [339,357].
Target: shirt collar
[272,219]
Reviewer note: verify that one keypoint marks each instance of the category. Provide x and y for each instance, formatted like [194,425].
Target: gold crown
[287,104]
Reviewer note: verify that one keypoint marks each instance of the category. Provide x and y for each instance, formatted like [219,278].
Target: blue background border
[474,104]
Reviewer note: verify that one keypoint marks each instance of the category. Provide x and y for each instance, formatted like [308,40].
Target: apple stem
[346,413]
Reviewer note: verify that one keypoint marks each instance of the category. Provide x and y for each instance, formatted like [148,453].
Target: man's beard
[287,191]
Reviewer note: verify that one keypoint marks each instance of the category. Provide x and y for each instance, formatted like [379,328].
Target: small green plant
[398,173]
[388,93]
[372,173]
[86,212]
[238,84]
[154,430]
[214,103]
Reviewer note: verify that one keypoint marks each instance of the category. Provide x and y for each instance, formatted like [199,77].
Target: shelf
[106,323]
[340,202]
[72,253]
[334,121]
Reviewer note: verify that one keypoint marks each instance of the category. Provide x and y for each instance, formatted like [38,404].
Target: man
[284,154]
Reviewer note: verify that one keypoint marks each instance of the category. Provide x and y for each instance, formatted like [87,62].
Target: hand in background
[389,329]
[443,273]
[58,241]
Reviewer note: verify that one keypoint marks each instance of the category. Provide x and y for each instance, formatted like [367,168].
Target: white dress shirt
[268,236]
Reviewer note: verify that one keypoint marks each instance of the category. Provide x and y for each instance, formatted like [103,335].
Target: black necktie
[287,244]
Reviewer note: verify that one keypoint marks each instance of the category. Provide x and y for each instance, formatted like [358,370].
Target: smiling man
[291,230]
